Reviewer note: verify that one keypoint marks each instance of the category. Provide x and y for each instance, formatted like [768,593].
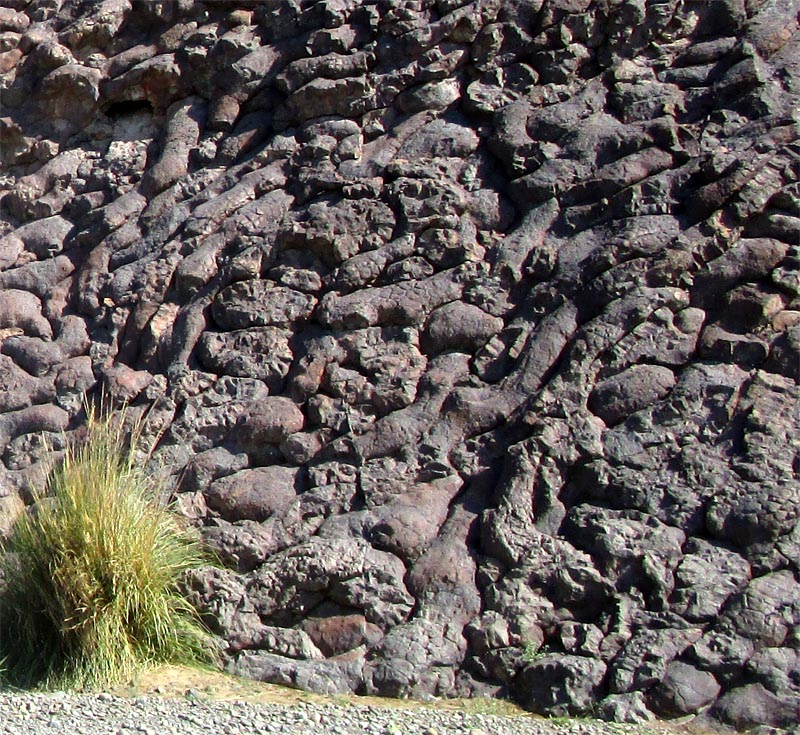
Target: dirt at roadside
[181,681]
[207,684]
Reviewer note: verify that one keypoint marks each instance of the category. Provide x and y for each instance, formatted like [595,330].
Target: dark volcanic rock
[753,705]
[563,685]
[468,332]
[637,387]
[683,690]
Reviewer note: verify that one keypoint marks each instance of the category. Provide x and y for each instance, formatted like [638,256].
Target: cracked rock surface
[468,332]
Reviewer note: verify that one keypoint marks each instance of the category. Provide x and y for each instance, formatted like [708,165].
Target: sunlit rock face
[467,332]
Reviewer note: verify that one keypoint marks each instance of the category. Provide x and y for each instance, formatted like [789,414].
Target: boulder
[254,494]
[684,690]
[753,705]
[560,685]
[638,387]
[459,326]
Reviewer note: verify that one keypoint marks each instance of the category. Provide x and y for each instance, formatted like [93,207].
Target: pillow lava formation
[469,332]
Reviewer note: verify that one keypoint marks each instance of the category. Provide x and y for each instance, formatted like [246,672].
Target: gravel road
[104,714]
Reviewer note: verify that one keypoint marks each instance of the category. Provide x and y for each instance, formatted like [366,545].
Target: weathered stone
[752,705]
[260,352]
[260,304]
[126,384]
[776,668]
[633,549]
[562,685]
[439,139]
[253,494]
[13,20]
[646,656]
[723,653]
[511,287]
[335,634]
[625,708]
[291,583]
[635,388]
[208,466]
[22,310]
[683,690]
[42,418]
[271,421]
[459,326]
[405,304]
[750,516]
[766,609]
[398,527]
[157,80]
[184,122]
[20,388]
[332,676]
[284,642]
[707,576]
[343,97]
[71,93]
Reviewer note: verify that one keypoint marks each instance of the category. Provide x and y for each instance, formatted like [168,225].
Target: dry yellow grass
[93,570]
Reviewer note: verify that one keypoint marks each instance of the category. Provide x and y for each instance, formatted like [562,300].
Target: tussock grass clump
[92,572]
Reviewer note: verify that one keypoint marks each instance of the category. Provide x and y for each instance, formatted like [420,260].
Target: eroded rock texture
[468,330]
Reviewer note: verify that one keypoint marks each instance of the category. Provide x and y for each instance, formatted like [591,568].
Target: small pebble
[104,714]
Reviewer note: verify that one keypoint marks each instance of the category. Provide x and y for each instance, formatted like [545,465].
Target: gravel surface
[103,714]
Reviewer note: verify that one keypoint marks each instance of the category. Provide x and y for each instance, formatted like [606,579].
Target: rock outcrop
[468,331]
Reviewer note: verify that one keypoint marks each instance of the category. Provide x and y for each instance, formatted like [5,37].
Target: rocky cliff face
[468,331]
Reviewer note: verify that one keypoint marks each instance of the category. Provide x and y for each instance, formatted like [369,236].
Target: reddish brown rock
[271,421]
